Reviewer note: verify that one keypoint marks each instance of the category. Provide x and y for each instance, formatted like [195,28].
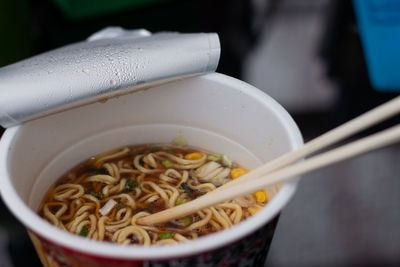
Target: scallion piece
[97,195]
[130,184]
[107,207]
[185,221]
[214,157]
[84,231]
[180,201]
[167,163]
[165,235]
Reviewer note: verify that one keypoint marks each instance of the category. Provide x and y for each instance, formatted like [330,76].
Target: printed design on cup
[49,254]
[249,251]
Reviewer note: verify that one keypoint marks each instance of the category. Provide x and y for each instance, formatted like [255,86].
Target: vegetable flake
[187,189]
[185,221]
[108,207]
[180,201]
[84,231]
[130,185]
[214,157]
[167,163]
[165,235]
[97,195]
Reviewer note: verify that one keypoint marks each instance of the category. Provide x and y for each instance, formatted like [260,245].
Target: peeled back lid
[111,62]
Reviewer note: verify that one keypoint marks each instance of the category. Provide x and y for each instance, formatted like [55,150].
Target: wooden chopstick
[341,132]
[350,150]
[260,180]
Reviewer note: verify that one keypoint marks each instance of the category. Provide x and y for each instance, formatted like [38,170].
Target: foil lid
[111,62]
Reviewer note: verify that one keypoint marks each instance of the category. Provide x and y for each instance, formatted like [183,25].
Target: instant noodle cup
[213,112]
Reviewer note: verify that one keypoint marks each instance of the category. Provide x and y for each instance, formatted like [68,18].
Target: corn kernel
[254,209]
[193,156]
[261,196]
[235,173]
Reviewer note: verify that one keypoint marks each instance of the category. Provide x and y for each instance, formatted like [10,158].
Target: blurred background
[325,61]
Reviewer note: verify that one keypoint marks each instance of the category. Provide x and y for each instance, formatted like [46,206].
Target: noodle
[103,197]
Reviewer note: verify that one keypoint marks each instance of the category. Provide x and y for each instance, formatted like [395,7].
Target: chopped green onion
[214,157]
[84,231]
[165,235]
[121,205]
[130,184]
[185,221]
[169,151]
[179,141]
[97,195]
[187,189]
[180,201]
[167,163]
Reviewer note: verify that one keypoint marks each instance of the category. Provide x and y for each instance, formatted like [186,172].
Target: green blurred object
[81,9]
[15,31]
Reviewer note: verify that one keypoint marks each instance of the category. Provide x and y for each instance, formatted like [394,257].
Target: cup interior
[137,134]
[214,112]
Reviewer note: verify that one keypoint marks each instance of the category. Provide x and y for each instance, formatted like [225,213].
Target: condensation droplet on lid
[112,82]
[86,71]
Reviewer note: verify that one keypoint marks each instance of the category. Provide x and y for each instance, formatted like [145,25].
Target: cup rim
[109,250]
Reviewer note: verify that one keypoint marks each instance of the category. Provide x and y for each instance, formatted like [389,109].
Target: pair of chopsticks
[277,170]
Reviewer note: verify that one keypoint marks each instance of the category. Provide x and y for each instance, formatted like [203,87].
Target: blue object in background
[379,27]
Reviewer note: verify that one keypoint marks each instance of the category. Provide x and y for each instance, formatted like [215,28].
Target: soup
[102,198]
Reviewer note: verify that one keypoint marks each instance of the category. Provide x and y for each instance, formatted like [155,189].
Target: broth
[102,197]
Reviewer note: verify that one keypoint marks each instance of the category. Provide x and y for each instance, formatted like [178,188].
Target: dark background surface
[331,221]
